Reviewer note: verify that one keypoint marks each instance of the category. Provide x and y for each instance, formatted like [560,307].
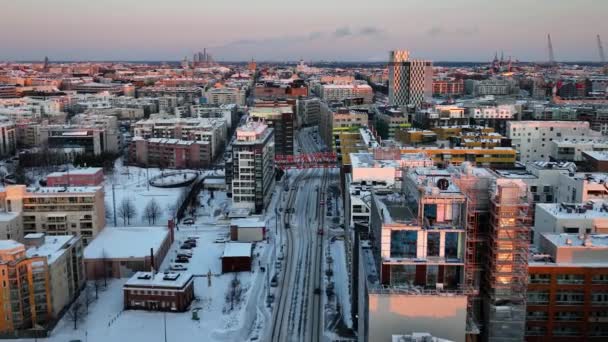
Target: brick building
[159,291]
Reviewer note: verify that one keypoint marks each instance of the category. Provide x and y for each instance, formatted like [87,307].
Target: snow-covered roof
[9,244]
[237,249]
[8,216]
[252,222]
[79,171]
[122,243]
[167,279]
[52,248]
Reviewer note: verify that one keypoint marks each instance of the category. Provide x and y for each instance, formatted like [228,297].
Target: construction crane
[550,47]
[600,48]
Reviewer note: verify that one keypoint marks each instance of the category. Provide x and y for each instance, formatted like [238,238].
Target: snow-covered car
[188,221]
[178,267]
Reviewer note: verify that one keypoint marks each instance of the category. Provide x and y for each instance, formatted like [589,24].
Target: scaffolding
[508,249]
[476,190]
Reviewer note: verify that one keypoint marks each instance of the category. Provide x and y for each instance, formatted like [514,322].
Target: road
[297,312]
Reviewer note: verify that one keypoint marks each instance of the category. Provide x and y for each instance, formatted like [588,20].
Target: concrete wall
[441,316]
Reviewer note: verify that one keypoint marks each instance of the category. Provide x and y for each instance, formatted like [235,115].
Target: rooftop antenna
[550,47]
[600,48]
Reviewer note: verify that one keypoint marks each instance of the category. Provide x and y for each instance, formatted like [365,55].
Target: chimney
[152,261]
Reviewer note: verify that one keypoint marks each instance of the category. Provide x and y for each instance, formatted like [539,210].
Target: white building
[493,112]
[340,92]
[252,166]
[571,148]
[220,96]
[532,138]
[574,218]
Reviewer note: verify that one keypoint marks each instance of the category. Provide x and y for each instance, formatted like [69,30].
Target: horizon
[277,31]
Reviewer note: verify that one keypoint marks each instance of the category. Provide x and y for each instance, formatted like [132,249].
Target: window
[569,297]
[566,331]
[597,279]
[540,278]
[537,316]
[538,297]
[404,243]
[600,298]
[570,230]
[536,331]
[432,244]
[533,188]
[451,245]
[568,316]
[570,279]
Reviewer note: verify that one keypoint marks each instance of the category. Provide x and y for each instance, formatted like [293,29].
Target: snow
[147,279]
[52,248]
[9,244]
[77,171]
[251,222]
[341,282]
[131,182]
[237,249]
[119,243]
[107,321]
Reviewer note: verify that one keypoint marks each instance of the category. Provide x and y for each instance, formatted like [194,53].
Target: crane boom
[600,48]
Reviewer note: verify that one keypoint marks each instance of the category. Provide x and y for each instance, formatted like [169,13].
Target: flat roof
[237,249]
[9,244]
[168,279]
[123,243]
[393,208]
[52,248]
[597,155]
[591,209]
[78,171]
[251,222]
[573,240]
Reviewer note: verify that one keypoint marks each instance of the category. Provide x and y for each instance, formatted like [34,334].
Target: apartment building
[66,275]
[497,156]
[178,142]
[567,295]
[183,95]
[222,96]
[54,211]
[341,92]
[441,116]
[573,218]
[281,119]
[8,137]
[309,111]
[80,139]
[26,285]
[251,176]
[413,257]
[532,139]
[8,91]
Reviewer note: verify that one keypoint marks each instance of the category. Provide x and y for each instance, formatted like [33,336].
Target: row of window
[567,279]
[566,297]
[566,316]
[596,331]
[152,293]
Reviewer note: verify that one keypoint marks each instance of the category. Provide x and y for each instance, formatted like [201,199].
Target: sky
[279,30]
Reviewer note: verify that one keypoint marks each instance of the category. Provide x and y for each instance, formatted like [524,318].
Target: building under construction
[496,254]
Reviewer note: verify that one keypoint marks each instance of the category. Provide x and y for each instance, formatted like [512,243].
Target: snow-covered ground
[131,182]
[106,320]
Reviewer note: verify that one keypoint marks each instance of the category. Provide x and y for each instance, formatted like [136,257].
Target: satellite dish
[443,184]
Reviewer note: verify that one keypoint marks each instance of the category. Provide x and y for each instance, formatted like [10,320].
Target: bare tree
[152,211]
[76,312]
[126,211]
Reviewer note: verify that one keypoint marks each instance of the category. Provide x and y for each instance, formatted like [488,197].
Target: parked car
[186,246]
[182,255]
[188,221]
[274,282]
[178,267]
[182,260]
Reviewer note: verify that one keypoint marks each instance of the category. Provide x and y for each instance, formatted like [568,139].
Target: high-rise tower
[410,82]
